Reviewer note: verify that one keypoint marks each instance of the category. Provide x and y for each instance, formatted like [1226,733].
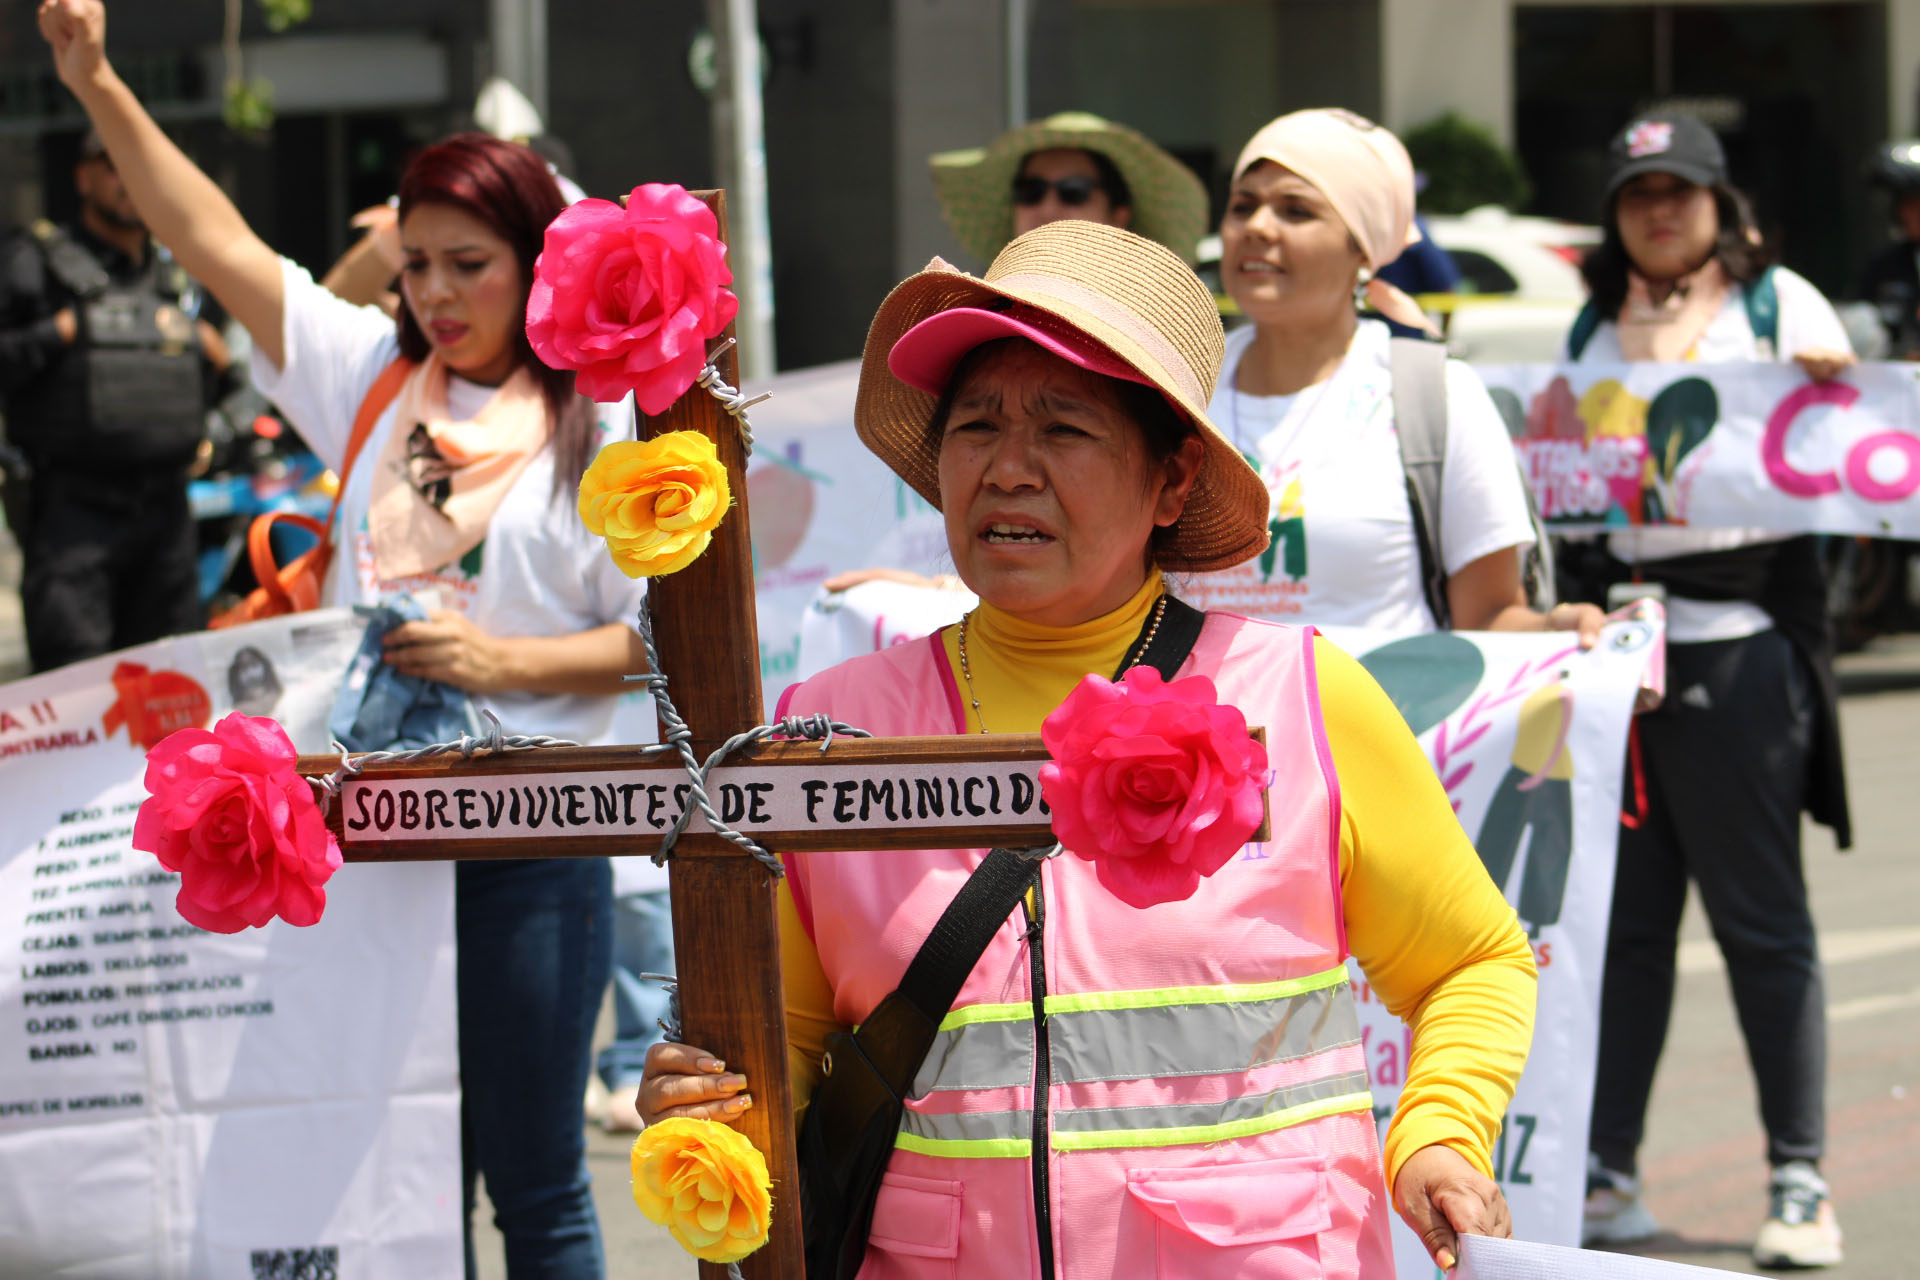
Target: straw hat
[975,186]
[1147,317]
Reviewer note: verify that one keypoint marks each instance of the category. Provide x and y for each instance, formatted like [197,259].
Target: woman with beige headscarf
[1321,200]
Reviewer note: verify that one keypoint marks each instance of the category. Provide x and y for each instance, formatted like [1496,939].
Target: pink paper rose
[227,811]
[1156,784]
[627,298]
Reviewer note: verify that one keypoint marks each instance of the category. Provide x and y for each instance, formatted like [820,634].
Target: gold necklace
[966,669]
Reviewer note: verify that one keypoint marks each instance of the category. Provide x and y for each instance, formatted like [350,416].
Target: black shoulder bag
[848,1134]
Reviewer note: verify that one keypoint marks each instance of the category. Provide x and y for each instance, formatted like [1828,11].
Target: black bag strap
[1164,648]
[960,937]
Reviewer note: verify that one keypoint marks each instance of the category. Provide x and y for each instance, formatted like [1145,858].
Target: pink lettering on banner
[1773,447]
[1860,458]
[1794,482]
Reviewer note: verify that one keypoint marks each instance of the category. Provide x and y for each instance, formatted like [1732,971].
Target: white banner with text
[1744,446]
[182,1105]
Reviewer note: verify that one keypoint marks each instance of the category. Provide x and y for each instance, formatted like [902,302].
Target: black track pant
[1726,766]
[109,562]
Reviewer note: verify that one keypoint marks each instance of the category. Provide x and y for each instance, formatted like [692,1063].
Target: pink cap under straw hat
[926,355]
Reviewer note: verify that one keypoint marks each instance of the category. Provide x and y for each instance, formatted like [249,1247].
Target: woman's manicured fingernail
[1446,1259]
[740,1103]
[713,1065]
[734,1082]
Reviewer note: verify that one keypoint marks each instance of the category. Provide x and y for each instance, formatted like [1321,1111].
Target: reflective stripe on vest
[980,1134]
[1138,1035]
[983,1046]
[1198,1031]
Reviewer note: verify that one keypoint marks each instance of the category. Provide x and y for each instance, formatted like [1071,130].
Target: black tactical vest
[141,400]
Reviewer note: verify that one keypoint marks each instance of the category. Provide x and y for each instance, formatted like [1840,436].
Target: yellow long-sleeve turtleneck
[1440,947]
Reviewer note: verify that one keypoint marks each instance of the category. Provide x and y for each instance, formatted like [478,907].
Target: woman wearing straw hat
[1190,1096]
[1321,200]
[1071,165]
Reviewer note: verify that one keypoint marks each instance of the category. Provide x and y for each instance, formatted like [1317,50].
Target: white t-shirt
[539,572]
[1344,550]
[1806,323]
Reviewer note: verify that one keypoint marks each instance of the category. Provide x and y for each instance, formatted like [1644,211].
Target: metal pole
[1017,22]
[739,144]
[519,32]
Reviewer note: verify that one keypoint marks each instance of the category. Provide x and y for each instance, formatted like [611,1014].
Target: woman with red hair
[468,453]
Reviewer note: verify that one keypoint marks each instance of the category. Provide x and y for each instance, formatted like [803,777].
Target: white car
[1505,254]
[1520,284]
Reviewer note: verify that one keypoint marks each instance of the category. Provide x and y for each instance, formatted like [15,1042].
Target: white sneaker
[1800,1230]
[1614,1213]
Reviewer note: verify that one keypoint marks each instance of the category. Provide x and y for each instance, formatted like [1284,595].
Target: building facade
[859,92]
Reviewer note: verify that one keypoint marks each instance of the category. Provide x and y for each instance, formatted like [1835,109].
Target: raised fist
[77,30]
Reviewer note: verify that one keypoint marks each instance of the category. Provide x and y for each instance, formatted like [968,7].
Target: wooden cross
[954,792]
[908,793]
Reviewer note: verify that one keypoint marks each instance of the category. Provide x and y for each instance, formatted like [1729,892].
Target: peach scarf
[1667,331]
[438,481]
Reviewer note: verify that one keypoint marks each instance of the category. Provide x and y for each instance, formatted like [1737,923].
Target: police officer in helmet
[106,372]
[1891,280]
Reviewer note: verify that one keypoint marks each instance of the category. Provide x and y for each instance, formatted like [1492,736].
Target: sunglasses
[1073,192]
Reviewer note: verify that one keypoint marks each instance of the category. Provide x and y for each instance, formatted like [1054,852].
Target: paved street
[1705,1159]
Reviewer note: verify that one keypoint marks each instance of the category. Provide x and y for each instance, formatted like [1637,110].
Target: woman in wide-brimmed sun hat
[1128,1082]
[1071,165]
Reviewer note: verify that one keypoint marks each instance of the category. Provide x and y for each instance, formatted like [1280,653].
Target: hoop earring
[1360,282]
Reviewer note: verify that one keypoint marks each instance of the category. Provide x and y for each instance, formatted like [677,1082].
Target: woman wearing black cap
[1749,735]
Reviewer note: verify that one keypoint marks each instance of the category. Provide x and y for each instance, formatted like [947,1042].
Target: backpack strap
[1585,325]
[384,391]
[1419,373]
[70,264]
[1763,311]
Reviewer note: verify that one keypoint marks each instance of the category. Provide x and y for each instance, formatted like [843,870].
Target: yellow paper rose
[656,502]
[705,1183]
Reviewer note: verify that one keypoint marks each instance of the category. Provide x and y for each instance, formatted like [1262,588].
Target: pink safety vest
[1206,1107]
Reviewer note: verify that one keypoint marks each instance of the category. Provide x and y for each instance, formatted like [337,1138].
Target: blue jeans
[535,943]
[642,943]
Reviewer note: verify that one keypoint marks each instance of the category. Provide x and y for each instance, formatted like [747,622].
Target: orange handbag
[294,587]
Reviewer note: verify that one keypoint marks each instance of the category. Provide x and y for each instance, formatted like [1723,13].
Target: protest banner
[1527,734]
[1748,446]
[181,1105]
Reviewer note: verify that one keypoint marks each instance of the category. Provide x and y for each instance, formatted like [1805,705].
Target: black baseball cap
[1666,142]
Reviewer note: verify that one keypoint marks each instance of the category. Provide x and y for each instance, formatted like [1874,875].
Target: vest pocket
[1259,1219]
[916,1230]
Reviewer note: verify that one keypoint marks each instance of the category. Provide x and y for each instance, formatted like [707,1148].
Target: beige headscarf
[1366,176]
